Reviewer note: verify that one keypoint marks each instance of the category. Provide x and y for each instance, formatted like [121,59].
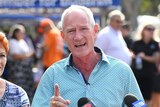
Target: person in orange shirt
[53,44]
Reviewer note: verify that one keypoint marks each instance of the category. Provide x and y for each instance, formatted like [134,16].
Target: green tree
[149,7]
[133,8]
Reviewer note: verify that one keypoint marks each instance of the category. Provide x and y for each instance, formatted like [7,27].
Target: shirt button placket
[87,90]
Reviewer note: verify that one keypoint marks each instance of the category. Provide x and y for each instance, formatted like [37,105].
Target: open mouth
[81,45]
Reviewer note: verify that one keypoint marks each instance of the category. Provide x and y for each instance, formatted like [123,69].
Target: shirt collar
[98,50]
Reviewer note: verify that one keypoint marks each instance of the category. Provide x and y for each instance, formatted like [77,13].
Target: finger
[67,102]
[56,92]
[59,99]
[58,104]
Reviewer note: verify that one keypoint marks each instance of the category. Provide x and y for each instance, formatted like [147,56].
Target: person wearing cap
[11,95]
[110,38]
[52,45]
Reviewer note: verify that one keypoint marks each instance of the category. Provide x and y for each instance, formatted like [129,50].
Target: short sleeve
[132,85]
[44,90]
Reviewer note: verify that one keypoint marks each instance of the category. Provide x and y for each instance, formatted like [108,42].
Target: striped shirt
[109,82]
[14,96]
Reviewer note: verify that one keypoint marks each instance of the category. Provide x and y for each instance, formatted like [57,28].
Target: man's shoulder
[119,67]
[117,62]
[60,62]
[58,65]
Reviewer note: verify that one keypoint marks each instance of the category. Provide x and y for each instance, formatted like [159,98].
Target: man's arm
[44,90]
[133,86]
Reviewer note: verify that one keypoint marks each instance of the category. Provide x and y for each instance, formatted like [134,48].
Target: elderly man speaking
[87,71]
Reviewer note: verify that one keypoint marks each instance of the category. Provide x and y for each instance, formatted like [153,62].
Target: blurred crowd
[28,59]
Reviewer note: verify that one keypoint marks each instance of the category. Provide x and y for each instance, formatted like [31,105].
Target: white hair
[59,25]
[116,13]
[86,10]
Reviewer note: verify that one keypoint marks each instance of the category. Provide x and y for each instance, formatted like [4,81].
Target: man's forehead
[75,16]
[76,11]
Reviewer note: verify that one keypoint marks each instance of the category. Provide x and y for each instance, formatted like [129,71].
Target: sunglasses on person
[118,21]
[149,28]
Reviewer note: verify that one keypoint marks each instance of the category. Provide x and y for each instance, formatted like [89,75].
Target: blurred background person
[28,38]
[11,95]
[52,45]
[126,33]
[20,60]
[110,38]
[156,88]
[146,51]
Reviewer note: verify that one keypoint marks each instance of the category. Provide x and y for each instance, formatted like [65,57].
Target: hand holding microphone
[57,100]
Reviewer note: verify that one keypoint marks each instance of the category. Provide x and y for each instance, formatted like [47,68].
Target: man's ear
[62,34]
[96,28]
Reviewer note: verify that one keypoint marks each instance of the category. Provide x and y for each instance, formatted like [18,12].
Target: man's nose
[78,35]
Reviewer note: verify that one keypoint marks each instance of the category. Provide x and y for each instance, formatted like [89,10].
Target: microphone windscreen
[82,101]
[129,99]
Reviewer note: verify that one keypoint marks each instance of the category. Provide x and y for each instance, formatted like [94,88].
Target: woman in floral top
[11,95]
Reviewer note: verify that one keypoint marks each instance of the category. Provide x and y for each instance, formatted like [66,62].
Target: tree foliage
[133,8]
[149,7]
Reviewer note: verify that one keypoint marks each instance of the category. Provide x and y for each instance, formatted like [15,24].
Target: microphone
[85,102]
[131,101]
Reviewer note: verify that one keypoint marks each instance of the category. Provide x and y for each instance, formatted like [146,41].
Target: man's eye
[83,28]
[70,31]
[2,56]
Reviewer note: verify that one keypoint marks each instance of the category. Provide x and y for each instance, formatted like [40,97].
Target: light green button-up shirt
[109,82]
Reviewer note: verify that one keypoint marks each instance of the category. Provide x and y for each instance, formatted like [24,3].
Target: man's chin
[80,54]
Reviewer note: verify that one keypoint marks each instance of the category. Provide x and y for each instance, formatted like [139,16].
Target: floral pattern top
[14,96]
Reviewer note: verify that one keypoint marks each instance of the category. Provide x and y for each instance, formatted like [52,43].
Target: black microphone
[85,102]
[131,101]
